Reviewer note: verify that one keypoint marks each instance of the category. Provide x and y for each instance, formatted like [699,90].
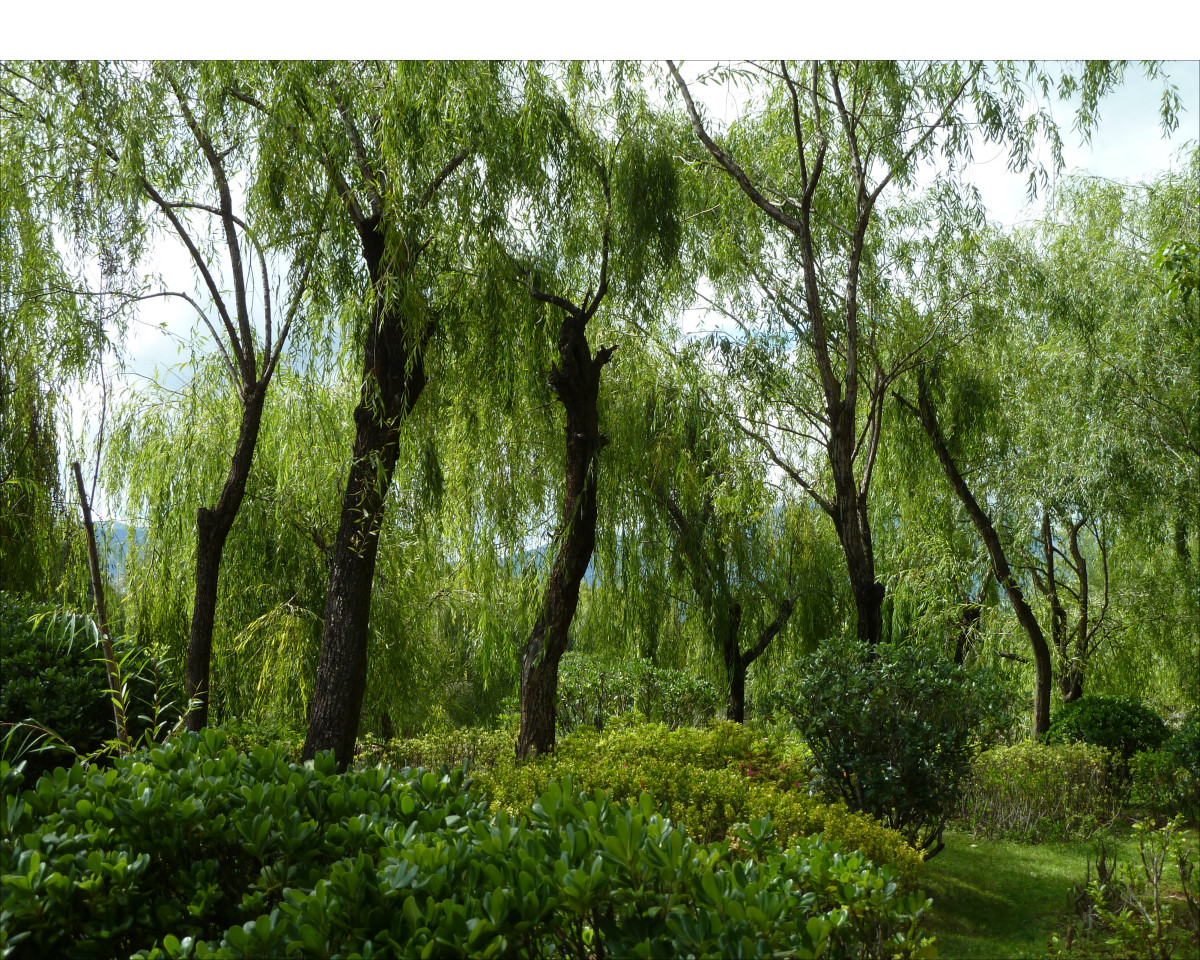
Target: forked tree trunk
[392,380]
[576,383]
[1000,568]
[212,531]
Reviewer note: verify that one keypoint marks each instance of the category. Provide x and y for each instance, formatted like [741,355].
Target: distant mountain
[112,540]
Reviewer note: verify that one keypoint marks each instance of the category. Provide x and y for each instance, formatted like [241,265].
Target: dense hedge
[194,850]
[893,729]
[708,780]
[1034,791]
[1122,726]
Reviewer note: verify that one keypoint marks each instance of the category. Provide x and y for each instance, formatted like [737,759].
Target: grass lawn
[995,899]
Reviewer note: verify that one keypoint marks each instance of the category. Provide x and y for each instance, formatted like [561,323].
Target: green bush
[193,850]
[477,746]
[55,691]
[1122,726]
[708,781]
[1122,912]
[52,677]
[1034,792]
[893,730]
[594,692]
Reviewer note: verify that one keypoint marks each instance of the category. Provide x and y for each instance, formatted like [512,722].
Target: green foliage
[1154,784]
[594,691]
[708,781]
[894,730]
[1122,726]
[1168,780]
[1035,792]
[1123,910]
[193,850]
[53,678]
[476,746]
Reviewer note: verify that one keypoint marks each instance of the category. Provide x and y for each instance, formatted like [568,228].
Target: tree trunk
[1000,567]
[728,626]
[576,383]
[212,531]
[854,531]
[392,381]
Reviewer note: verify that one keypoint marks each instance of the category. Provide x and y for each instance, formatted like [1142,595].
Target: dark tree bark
[576,383]
[927,415]
[212,531]
[393,378]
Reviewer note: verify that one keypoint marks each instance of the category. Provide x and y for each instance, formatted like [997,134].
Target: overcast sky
[1128,145]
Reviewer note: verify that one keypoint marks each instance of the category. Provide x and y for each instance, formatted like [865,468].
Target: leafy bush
[593,692]
[708,781]
[1122,726]
[1122,911]
[56,690]
[893,734]
[1034,792]
[1166,781]
[193,850]
[477,746]
[53,678]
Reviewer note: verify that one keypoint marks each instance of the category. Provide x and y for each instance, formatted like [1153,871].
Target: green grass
[995,899]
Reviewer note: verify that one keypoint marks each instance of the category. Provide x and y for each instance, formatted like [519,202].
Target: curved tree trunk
[212,531]
[1000,567]
[576,383]
[392,381]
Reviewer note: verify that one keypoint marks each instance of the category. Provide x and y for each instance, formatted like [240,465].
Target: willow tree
[393,157]
[733,544]
[168,141]
[803,259]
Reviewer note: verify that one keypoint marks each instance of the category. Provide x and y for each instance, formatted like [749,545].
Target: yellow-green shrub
[707,780]
[1035,791]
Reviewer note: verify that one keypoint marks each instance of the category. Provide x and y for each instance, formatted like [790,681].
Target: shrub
[893,730]
[193,850]
[53,678]
[593,692]
[708,781]
[1122,911]
[1122,726]
[1034,792]
[56,686]
[477,746]
[1167,781]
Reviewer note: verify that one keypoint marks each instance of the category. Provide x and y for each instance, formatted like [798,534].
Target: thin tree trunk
[576,383]
[392,381]
[212,531]
[1000,567]
[110,660]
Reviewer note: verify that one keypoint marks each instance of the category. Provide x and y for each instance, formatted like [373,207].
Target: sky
[1129,145]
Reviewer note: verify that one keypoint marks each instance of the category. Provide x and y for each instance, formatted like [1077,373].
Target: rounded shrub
[893,730]
[1122,726]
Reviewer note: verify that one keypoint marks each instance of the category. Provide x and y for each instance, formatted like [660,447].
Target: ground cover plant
[191,849]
